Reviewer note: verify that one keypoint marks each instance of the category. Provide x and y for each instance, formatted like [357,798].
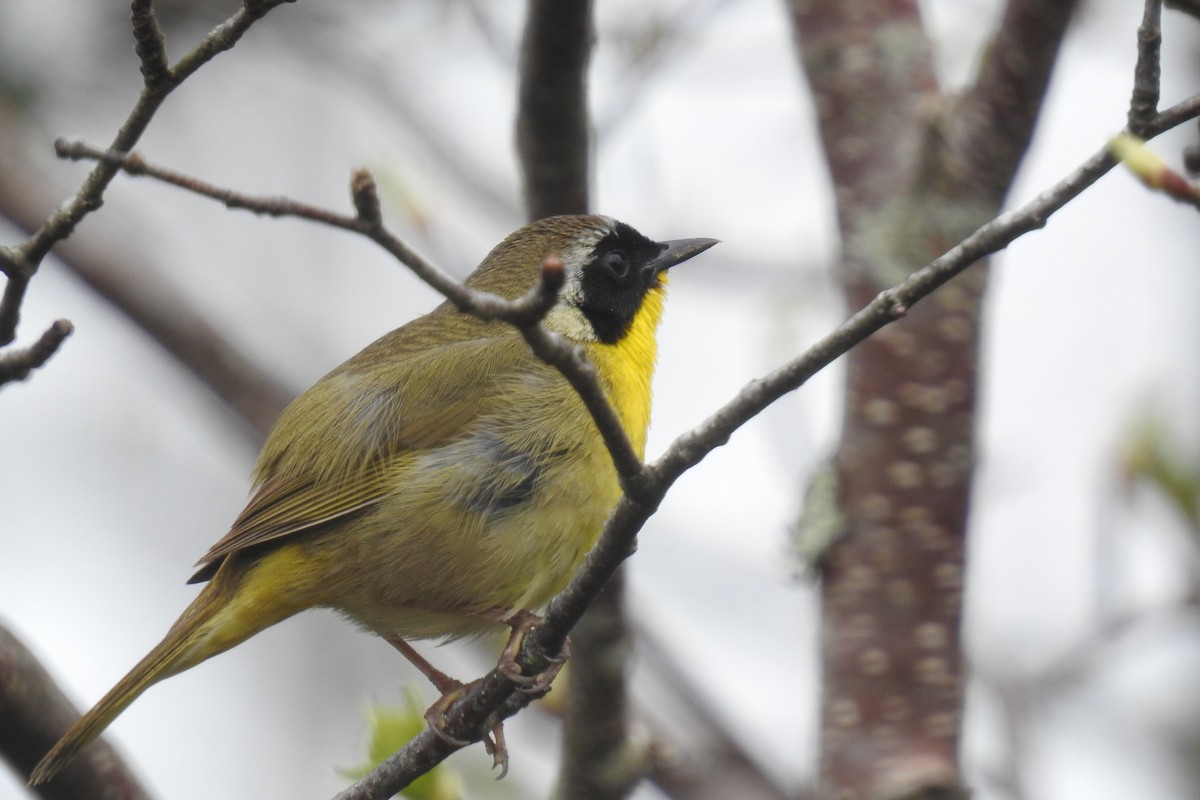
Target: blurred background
[119,468]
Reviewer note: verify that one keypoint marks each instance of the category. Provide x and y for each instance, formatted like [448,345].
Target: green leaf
[391,729]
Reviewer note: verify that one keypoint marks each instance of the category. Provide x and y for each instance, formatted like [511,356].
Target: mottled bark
[914,172]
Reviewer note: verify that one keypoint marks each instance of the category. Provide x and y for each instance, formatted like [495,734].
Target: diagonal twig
[15,365]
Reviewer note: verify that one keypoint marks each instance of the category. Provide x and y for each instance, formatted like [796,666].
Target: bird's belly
[468,544]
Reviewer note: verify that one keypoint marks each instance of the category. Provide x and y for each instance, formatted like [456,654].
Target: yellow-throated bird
[443,480]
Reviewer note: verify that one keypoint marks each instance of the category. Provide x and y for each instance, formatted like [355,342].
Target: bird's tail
[220,617]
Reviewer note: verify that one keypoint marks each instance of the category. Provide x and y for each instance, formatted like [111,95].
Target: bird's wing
[367,426]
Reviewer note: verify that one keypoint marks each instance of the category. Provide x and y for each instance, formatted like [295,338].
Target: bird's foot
[493,742]
[522,623]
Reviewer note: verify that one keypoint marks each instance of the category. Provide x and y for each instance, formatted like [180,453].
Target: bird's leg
[441,681]
[451,690]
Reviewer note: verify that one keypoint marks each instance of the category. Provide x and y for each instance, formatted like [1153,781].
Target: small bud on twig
[366,197]
[1152,170]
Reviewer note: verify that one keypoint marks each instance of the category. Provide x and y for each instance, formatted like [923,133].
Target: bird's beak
[675,252]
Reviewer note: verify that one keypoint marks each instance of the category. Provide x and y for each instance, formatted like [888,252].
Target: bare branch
[34,712]
[1147,75]
[151,45]
[601,758]
[552,120]
[18,269]
[221,38]
[15,365]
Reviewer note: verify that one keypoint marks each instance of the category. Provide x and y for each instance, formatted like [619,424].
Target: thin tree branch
[552,118]
[151,45]
[15,365]
[602,757]
[1147,75]
[33,714]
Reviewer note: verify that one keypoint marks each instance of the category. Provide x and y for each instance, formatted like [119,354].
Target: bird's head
[609,268]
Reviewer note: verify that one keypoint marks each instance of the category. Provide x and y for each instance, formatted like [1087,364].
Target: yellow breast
[627,369]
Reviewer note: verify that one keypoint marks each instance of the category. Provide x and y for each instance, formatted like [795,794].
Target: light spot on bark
[914,515]
[929,399]
[952,297]
[948,575]
[906,474]
[875,507]
[843,712]
[956,328]
[931,636]
[879,411]
[930,536]
[902,343]
[874,661]
[920,439]
[933,671]
[859,580]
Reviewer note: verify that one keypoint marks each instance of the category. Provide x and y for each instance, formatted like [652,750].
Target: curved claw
[445,737]
[493,743]
[499,750]
[521,623]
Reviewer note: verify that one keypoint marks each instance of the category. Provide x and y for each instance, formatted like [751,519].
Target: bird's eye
[617,263]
